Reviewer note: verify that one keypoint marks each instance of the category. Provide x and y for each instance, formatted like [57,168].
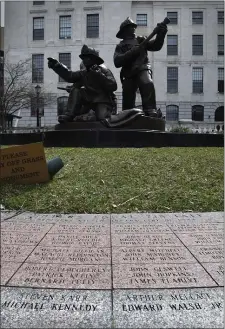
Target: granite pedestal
[112,271]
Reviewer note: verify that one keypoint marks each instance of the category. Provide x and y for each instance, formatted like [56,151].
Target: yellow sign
[24,164]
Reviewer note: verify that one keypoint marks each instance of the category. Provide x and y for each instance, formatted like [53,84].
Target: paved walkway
[112,271]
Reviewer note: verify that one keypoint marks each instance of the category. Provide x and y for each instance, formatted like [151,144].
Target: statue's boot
[151,113]
[74,106]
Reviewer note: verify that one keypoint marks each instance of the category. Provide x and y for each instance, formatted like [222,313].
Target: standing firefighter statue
[131,55]
[93,87]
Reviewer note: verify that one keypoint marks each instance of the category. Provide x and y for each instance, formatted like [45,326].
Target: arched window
[219,113]
[198,113]
[172,113]
[62,104]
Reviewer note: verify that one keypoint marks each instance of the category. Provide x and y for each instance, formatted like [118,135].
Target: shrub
[180,130]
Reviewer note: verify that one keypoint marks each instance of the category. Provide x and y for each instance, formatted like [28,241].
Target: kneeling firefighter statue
[93,86]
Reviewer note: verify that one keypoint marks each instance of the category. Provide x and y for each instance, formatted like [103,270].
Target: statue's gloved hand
[161,28]
[69,88]
[52,62]
[95,68]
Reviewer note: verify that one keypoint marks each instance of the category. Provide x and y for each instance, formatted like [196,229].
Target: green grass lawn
[126,180]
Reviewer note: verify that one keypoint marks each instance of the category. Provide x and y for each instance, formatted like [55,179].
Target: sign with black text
[23,164]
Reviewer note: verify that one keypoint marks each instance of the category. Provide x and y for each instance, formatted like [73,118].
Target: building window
[62,104]
[197,17]
[172,15]
[197,44]
[172,113]
[38,3]
[219,113]
[141,19]
[198,113]
[220,44]
[172,45]
[172,79]
[220,17]
[92,25]
[38,68]
[38,28]
[65,27]
[65,58]
[197,80]
[33,108]
[221,80]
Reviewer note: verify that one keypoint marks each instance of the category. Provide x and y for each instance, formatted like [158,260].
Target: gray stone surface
[169,308]
[63,276]
[39,308]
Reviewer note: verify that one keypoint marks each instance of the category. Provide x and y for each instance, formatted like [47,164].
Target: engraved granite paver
[76,240]
[63,276]
[133,218]
[201,239]
[200,227]
[139,228]
[25,227]
[157,240]
[15,253]
[206,217]
[61,255]
[81,229]
[196,308]
[53,308]
[160,276]
[134,255]
[18,238]
[208,253]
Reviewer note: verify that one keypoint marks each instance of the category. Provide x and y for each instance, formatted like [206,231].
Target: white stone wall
[18,40]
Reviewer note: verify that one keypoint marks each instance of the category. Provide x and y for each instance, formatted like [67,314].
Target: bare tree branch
[19,92]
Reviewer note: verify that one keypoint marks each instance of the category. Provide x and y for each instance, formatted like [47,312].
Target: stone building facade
[187,72]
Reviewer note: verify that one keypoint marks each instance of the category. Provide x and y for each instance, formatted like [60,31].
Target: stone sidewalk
[112,271]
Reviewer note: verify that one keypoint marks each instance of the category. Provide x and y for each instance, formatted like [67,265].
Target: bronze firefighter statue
[93,87]
[131,55]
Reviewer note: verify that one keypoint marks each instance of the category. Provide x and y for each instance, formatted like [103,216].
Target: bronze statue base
[138,122]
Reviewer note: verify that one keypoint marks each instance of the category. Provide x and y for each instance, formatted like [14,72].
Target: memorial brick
[132,255]
[62,255]
[75,240]
[63,276]
[160,276]
[157,240]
